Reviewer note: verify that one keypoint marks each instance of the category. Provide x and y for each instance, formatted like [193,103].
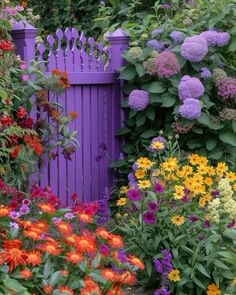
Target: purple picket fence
[95,94]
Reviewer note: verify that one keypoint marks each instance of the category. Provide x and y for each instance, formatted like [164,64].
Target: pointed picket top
[100,65]
[51,56]
[93,61]
[107,51]
[68,52]
[60,52]
[84,55]
[75,50]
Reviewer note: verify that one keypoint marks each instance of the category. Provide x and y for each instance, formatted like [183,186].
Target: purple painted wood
[95,94]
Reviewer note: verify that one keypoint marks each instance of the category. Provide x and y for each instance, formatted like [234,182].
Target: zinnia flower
[14,257]
[134,195]
[149,217]
[173,275]
[178,220]
[213,289]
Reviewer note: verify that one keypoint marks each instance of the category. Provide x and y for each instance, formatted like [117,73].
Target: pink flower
[23,66]
[25,77]
[167,64]
[19,8]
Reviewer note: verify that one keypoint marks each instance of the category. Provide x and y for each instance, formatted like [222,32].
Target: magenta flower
[149,217]
[69,215]
[23,66]
[165,6]
[134,195]
[25,77]
[14,225]
[24,210]
[104,249]
[14,214]
[206,224]
[19,8]
[153,206]
[231,224]
[26,202]
[193,218]
[158,188]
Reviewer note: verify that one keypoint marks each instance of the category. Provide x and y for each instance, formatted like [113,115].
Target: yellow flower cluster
[226,196]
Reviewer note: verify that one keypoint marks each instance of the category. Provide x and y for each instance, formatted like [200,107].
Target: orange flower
[47,289]
[86,244]
[26,273]
[135,261]
[34,258]
[90,287]
[115,291]
[73,115]
[66,290]
[63,227]
[10,244]
[109,275]
[24,4]
[74,257]
[14,257]
[42,225]
[32,234]
[46,208]
[4,211]
[86,218]
[64,272]
[25,224]
[115,241]
[127,278]
[101,232]
[70,240]
[15,151]
[50,248]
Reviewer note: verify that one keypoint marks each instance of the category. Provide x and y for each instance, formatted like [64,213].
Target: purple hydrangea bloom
[153,206]
[158,188]
[134,195]
[194,48]
[149,217]
[190,87]
[205,73]
[214,38]
[157,139]
[158,46]
[167,64]
[177,36]
[191,109]
[138,100]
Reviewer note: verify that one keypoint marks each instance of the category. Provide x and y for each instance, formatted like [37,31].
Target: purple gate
[95,94]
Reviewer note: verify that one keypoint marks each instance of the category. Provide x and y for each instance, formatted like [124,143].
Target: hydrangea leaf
[154,87]
[228,137]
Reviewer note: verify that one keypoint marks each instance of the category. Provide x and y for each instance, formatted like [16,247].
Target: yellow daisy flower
[178,220]
[193,159]
[221,168]
[173,275]
[234,186]
[121,202]
[144,163]
[202,160]
[231,176]
[170,165]
[188,170]
[157,145]
[208,181]
[213,289]
[123,189]
[179,192]
[140,173]
[142,184]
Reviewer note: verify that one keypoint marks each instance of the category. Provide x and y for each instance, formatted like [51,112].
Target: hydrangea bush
[189,94]
[45,249]
[179,216]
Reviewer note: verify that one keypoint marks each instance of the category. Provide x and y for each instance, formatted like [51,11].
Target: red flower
[14,153]
[21,113]
[6,45]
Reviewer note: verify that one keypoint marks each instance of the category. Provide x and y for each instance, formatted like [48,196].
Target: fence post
[23,35]
[119,42]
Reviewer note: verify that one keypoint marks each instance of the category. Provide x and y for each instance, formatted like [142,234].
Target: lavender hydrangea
[190,87]
[215,38]
[194,48]
[138,100]
[158,46]
[167,64]
[205,73]
[191,109]
[177,36]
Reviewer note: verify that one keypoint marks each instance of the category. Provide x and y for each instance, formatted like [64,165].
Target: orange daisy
[32,234]
[101,232]
[115,291]
[109,275]
[65,289]
[86,244]
[41,225]
[84,217]
[46,208]
[115,241]
[4,211]
[14,257]
[127,278]
[63,227]
[47,289]
[50,248]
[34,258]
[26,273]
[135,261]
[10,244]
[74,257]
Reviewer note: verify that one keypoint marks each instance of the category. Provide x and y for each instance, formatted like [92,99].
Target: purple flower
[153,206]
[167,64]
[104,249]
[215,193]
[226,87]
[56,219]
[134,195]
[158,188]
[214,38]
[158,46]
[14,225]
[138,100]
[23,66]
[193,218]
[131,178]
[205,73]
[122,156]
[165,6]
[177,36]
[149,217]
[190,87]
[158,266]
[185,199]
[135,166]
[19,8]
[69,215]
[14,214]
[231,224]
[122,256]
[201,237]
[191,109]
[194,48]
[25,77]
[24,209]
[156,31]
[206,223]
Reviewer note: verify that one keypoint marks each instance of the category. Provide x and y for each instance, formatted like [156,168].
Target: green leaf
[128,72]
[228,137]
[140,70]
[148,134]
[202,270]
[199,283]
[96,260]
[140,119]
[118,164]
[234,126]
[156,98]
[168,101]
[150,113]
[154,87]
[122,131]
[149,267]
[216,155]
[211,144]
[13,284]
[146,53]
[232,46]
[220,264]
[55,278]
